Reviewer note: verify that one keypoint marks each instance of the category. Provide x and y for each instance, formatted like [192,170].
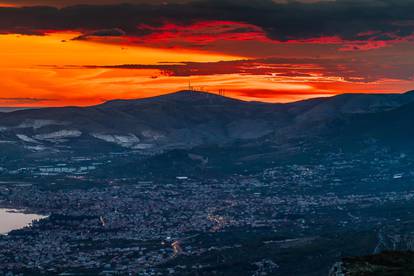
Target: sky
[78,52]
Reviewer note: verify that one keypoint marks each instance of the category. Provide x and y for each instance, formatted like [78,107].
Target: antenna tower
[190,87]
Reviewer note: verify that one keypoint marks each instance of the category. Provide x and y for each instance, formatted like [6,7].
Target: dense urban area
[259,222]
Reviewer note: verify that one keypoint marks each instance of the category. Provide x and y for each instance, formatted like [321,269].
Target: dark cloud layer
[347,20]
[101,33]
[63,3]
[352,70]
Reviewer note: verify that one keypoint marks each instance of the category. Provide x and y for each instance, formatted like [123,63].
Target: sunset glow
[54,64]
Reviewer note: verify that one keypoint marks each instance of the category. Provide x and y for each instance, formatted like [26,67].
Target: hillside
[188,119]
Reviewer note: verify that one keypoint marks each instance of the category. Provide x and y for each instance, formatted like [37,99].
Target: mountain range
[188,119]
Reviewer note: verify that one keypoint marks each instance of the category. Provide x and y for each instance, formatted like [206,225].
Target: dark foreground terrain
[387,263]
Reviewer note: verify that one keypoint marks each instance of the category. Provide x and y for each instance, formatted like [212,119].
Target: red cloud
[200,32]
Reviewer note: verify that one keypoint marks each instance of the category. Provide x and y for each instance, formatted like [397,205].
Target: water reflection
[14,219]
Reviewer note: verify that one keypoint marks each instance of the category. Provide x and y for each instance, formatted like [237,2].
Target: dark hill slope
[186,119]
[393,128]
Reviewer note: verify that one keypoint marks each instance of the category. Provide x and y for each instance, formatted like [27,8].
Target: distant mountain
[11,109]
[182,119]
[327,115]
[393,127]
[188,119]
[319,109]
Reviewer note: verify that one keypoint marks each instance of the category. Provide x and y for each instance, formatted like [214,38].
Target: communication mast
[222,92]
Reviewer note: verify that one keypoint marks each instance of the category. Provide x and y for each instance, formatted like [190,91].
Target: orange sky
[30,70]
[48,71]
[55,54]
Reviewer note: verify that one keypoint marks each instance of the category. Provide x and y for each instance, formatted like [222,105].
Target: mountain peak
[179,96]
[191,95]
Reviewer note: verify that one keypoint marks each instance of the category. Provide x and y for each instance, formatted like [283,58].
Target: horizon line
[3,109]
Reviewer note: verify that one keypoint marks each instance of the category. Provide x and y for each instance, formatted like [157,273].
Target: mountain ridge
[185,119]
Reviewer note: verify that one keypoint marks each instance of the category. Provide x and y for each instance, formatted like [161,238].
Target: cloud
[24,100]
[199,33]
[272,94]
[356,69]
[364,24]
[101,33]
[63,3]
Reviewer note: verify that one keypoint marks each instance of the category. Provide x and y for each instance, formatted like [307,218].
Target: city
[175,225]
